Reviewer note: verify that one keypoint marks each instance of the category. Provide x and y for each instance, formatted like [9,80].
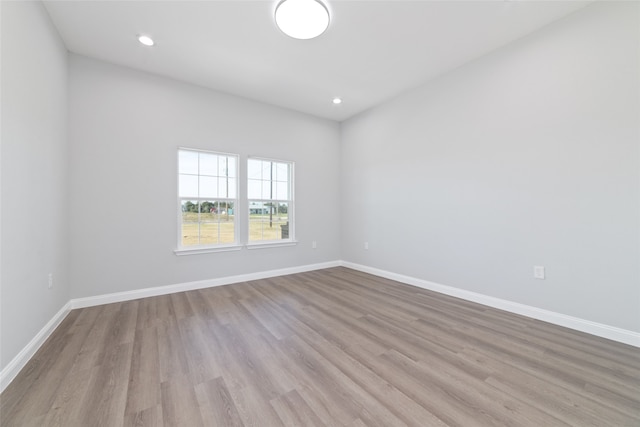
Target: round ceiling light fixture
[337,101]
[302,19]
[146,40]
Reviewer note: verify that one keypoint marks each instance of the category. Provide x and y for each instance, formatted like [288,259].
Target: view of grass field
[219,228]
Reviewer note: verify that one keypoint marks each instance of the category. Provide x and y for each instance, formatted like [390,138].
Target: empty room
[320,213]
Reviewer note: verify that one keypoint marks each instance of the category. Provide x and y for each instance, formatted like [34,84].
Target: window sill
[198,251]
[271,244]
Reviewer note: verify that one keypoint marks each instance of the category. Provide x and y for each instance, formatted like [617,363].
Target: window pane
[283,211]
[266,170]
[190,210]
[190,233]
[282,172]
[233,186]
[226,223]
[190,227]
[282,190]
[187,162]
[208,210]
[188,186]
[223,187]
[254,170]
[266,190]
[233,172]
[270,227]
[257,209]
[209,233]
[254,189]
[281,220]
[223,168]
[280,230]
[255,230]
[208,164]
[208,186]
[268,221]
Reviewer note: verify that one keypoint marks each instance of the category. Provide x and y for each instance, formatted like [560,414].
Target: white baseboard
[15,366]
[593,328]
[189,286]
[17,363]
[616,334]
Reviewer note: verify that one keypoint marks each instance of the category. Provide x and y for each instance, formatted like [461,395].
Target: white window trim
[271,244]
[208,248]
[291,241]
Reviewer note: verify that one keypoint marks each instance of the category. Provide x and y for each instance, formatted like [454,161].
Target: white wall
[125,129]
[34,175]
[527,156]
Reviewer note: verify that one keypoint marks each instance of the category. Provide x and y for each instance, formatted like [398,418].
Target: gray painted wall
[125,129]
[527,156]
[34,175]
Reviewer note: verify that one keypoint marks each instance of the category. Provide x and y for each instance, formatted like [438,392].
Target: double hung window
[270,199]
[209,216]
[207,199]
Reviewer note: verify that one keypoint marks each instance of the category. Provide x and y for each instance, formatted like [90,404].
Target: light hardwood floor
[332,347]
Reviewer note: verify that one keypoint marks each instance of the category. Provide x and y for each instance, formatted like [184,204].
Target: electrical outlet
[314,244]
[538,272]
[366,246]
[50,280]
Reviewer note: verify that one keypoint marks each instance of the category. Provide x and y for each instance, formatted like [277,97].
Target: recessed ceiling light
[337,101]
[146,40]
[302,19]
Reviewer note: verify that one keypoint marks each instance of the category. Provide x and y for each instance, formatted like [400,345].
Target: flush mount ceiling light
[302,19]
[337,101]
[146,40]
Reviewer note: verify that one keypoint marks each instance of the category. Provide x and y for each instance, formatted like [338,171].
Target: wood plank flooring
[334,347]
